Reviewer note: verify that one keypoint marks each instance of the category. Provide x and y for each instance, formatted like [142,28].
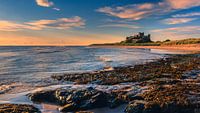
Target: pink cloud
[179,29]
[177,32]
[61,23]
[44,3]
[183,4]
[139,11]
[145,6]
[12,26]
[133,12]
[178,20]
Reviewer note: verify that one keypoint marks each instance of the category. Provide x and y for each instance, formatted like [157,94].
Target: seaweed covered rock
[76,99]
[172,67]
[85,99]
[168,85]
[135,107]
[141,106]
[43,96]
[18,108]
[169,97]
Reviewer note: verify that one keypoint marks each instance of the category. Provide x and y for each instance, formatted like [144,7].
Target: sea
[26,68]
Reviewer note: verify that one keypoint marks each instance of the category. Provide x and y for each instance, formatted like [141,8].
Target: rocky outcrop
[168,85]
[140,106]
[77,99]
[18,108]
[169,97]
[173,67]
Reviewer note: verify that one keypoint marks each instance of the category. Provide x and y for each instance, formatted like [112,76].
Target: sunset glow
[83,22]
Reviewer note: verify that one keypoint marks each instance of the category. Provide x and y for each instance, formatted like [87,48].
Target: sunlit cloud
[12,26]
[177,32]
[120,26]
[180,29]
[140,11]
[133,12]
[44,3]
[178,20]
[183,4]
[61,23]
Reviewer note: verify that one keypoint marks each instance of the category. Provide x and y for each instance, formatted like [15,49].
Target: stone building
[138,38]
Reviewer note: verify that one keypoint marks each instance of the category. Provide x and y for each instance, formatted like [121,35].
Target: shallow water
[36,64]
[23,68]
[21,98]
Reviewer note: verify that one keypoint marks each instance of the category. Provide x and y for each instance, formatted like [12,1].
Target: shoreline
[162,78]
[158,84]
[185,47]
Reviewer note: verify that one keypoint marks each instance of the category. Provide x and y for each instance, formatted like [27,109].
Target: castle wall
[138,38]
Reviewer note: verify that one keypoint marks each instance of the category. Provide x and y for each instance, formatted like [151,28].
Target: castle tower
[141,34]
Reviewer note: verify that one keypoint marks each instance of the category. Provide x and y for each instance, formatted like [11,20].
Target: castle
[138,38]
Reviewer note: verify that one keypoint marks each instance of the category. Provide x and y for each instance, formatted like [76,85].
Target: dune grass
[181,42]
[158,43]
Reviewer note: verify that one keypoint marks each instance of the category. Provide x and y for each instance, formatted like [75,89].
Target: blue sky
[82,22]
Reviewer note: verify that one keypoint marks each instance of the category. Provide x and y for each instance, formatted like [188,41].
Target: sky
[83,22]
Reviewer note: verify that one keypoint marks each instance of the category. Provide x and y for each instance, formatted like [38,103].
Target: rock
[43,96]
[68,107]
[18,108]
[152,108]
[168,97]
[115,102]
[173,67]
[85,99]
[77,99]
[140,106]
[169,85]
[136,106]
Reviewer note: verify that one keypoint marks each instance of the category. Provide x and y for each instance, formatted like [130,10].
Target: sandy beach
[186,47]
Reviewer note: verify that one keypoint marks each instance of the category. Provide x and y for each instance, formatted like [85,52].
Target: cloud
[183,4]
[187,15]
[133,12]
[44,3]
[12,26]
[121,26]
[177,32]
[61,23]
[139,11]
[178,20]
[179,29]
[57,9]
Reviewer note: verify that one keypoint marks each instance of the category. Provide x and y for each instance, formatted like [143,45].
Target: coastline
[184,47]
[161,79]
